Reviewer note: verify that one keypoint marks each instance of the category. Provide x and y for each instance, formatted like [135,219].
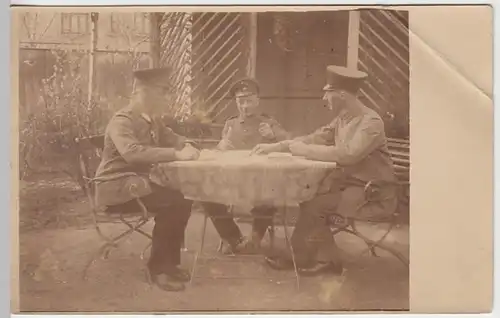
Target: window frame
[67,20]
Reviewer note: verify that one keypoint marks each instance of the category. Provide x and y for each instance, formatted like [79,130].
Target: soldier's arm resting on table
[369,135]
[123,136]
[320,136]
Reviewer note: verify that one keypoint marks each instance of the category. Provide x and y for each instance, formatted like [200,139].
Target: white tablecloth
[240,179]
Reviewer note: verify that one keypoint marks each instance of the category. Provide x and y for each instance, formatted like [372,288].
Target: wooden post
[252,45]
[353,40]
[94,18]
[154,40]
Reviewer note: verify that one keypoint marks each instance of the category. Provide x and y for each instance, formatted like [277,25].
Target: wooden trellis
[384,55]
[175,51]
[209,52]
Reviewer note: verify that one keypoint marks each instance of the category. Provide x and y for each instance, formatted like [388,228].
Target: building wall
[122,46]
[116,31]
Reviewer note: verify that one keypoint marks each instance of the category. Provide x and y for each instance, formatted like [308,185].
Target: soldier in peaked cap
[243,132]
[355,139]
[134,140]
[251,126]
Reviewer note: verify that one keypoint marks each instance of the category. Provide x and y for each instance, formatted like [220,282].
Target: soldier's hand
[266,131]
[298,148]
[187,153]
[263,149]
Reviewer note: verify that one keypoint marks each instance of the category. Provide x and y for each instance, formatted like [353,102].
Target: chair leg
[272,236]
[371,246]
[202,243]
[102,251]
[290,246]
[105,249]
[220,246]
[372,250]
[145,249]
[380,245]
[137,227]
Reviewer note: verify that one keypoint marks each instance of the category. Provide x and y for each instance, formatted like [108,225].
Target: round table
[240,179]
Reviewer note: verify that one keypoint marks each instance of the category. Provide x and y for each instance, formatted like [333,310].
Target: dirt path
[56,242]
[52,260]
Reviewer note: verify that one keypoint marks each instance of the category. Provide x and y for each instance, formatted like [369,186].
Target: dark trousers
[172,213]
[312,239]
[228,229]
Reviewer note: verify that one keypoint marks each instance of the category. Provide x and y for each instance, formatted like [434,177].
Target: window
[114,23]
[141,23]
[29,25]
[74,23]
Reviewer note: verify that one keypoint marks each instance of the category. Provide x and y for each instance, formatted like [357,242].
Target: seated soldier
[243,132]
[356,141]
[134,140]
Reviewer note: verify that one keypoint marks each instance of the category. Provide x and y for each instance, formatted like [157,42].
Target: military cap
[343,78]
[245,87]
[157,76]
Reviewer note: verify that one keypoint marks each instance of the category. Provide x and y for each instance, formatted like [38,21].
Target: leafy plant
[62,112]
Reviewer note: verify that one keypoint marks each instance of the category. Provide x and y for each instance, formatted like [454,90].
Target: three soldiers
[355,139]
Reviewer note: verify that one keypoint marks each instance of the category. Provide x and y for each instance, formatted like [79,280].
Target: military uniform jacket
[243,134]
[357,142]
[133,142]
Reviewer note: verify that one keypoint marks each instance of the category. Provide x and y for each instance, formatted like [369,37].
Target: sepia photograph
[188,161]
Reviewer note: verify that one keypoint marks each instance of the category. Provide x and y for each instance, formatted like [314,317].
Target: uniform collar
[352,111]
[138,112]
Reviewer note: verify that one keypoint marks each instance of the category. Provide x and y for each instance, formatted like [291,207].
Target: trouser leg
[312,237]
[263,219]
[172,214]
[184,223]
[223,222]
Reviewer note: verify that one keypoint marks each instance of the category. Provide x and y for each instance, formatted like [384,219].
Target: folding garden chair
[348,225]
[89,150]
[400,154]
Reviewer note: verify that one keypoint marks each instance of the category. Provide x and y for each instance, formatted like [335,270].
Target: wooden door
[293,50]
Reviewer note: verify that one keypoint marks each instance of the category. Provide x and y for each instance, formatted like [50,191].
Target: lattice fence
[208,52]
[384,55]
[176,51]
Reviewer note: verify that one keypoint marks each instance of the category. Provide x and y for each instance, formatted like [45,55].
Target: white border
[233,3]
[5,126]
